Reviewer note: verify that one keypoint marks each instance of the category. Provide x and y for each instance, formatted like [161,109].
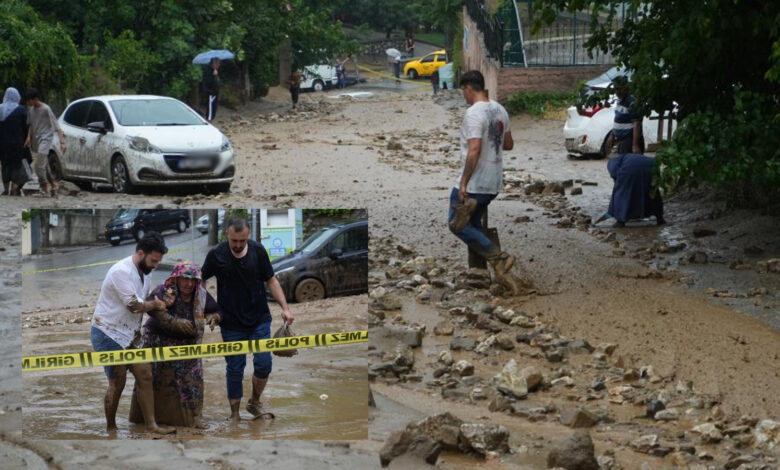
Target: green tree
[444,15]
[34,53]
[716,62]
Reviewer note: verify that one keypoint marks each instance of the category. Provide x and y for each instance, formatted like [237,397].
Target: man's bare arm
[509,142]
[278,293]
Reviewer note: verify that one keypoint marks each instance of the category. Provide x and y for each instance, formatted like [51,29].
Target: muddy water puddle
[318,394]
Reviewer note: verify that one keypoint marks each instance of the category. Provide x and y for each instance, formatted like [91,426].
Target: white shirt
[489,121]
[121,288]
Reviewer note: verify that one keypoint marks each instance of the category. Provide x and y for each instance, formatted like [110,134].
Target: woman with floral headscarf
[13,132]
[178,385]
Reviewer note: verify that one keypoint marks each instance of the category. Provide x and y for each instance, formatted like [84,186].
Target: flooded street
[313,394]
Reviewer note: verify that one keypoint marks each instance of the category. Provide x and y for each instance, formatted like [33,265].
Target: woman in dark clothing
[178,385]
[634,196]
[13,132]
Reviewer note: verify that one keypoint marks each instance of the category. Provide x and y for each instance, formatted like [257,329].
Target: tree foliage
[717,62]
[34,52]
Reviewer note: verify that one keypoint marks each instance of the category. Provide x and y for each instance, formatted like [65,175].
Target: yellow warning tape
[101,263]
[193,351]
[392,77]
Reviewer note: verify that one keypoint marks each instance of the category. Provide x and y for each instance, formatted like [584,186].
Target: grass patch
[437,39]
[540,103]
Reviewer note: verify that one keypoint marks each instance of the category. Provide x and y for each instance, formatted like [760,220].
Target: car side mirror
[97,127]
[336,253]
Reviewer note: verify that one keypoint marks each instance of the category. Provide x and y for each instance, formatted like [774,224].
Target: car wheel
[120,177]
[139,234]
[604,150]
[308,290]
[182,226]
[318,85]
[114,242]
[413,74]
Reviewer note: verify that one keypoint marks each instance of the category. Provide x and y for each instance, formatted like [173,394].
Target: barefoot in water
[161,430]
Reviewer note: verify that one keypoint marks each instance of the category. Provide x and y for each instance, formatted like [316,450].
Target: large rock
[444,328]
[484,438]
[645,443]
[404,442]
[515,382]
[463,368]
[574,453]
[462,342]
[443,428]
[578,418]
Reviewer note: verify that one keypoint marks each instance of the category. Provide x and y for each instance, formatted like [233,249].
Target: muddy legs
[143,380]
[111,400]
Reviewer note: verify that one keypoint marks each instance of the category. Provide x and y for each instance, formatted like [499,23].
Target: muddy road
[707,330]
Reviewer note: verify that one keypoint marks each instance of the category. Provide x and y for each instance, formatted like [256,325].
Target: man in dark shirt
[627,127]
[241,267]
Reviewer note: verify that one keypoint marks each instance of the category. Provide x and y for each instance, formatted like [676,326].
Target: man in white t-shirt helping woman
[484,135]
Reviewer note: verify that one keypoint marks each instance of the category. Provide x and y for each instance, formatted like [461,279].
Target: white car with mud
[319,77]
[586,129]
[132,141]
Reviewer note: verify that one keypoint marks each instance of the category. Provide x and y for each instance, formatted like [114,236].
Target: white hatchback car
[130,141]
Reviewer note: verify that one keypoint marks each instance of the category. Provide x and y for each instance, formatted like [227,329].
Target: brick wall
[557,79]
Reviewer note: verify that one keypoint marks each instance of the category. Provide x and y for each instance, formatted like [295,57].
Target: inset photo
[195,323]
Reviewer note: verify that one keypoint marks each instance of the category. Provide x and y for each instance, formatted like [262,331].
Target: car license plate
[194,163]
[115,237]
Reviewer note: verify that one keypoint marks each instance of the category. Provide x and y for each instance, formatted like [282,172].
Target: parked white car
[131,141]
[203,221]
[587,134]
[319,77]
[585,131]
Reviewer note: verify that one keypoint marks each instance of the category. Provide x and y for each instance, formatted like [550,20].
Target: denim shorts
[101,342]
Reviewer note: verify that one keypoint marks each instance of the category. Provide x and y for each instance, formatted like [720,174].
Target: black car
[333,261]
[134,223]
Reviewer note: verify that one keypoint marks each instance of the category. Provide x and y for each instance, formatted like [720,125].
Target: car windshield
[315,242]
[154,112]
[125,213]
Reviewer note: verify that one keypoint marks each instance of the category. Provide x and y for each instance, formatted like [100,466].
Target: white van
[319,77]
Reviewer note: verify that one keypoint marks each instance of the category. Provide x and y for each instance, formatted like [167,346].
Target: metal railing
[491,28]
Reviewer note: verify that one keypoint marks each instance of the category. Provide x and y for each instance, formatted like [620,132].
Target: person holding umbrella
[211,87]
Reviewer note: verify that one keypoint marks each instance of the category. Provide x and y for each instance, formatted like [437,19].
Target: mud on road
[670,323]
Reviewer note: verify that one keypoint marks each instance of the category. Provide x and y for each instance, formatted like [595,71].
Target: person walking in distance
[484,135]
[211,87]
[40,138]
[242,269]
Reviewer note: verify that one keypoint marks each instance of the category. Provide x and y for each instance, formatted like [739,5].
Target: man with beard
[116,325]
[242,269]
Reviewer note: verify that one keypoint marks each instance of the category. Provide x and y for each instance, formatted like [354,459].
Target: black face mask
[145,268]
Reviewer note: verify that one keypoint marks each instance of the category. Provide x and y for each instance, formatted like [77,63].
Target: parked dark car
[134,223]
[333,261]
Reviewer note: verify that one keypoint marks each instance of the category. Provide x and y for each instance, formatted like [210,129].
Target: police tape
[91,265]
[191,351]
[387,75]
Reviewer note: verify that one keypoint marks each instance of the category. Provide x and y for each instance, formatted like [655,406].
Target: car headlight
[225,145]
[129,225]
[142,144]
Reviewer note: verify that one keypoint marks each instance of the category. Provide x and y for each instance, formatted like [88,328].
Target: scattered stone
[576,191]
[534,188]
[598,385]
[554,356]
[409,335]
[522,219]
[500,403]
[654,407]
[463,342]
[404,249]
[767,433]
[580,346]
[517,383]
[574,453]
[697,257]
[485,438]
[645,443]
[444,328]
[667,415]
[566,381]
[393,144]
[463,368]
[565,222]
[578,418]
[445,357]
[402,442]
[708,433]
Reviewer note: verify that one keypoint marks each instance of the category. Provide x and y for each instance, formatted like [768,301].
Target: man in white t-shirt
[116,325]
[484,135]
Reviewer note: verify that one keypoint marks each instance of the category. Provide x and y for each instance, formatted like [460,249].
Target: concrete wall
[475,56]
[79,229]
[555,79]
[504,82]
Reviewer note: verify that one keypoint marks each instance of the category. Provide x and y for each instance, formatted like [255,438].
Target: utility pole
[213,227]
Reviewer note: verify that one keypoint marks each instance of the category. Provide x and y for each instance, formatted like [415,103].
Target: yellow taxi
[426,65]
